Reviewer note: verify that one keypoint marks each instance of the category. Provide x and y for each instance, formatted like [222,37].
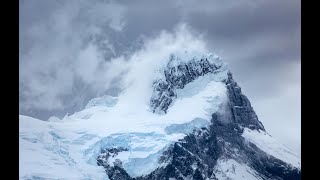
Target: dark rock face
[105,154]
[193,157]
[240,106]
[196,155]
[176,77]
[115,170]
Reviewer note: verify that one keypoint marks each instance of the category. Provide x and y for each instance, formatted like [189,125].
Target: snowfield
[231,169]
[48,153]
[271,146]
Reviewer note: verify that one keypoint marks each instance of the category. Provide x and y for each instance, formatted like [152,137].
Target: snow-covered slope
[123,137]
[229,168]
[48,152]
[271,146]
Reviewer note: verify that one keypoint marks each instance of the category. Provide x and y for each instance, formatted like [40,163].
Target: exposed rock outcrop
[177,75]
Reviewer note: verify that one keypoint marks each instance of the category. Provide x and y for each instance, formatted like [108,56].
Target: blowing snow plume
[61,72]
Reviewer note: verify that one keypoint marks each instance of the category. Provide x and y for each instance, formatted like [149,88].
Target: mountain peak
[185,57]
[198,125]
[183,68]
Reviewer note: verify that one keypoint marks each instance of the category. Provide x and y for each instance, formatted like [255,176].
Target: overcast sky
[259,39]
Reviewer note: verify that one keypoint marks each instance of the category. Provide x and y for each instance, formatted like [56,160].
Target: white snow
[48,153]
[232,170]
[70,146]
[272,147]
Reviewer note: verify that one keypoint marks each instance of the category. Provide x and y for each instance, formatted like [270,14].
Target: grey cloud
[58,51]
[241,22]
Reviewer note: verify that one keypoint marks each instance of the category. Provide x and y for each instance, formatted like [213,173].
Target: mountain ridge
[198,125]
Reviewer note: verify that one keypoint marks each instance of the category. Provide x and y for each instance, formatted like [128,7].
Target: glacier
[137,133]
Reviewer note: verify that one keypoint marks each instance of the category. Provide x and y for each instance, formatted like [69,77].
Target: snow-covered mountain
[189,120]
